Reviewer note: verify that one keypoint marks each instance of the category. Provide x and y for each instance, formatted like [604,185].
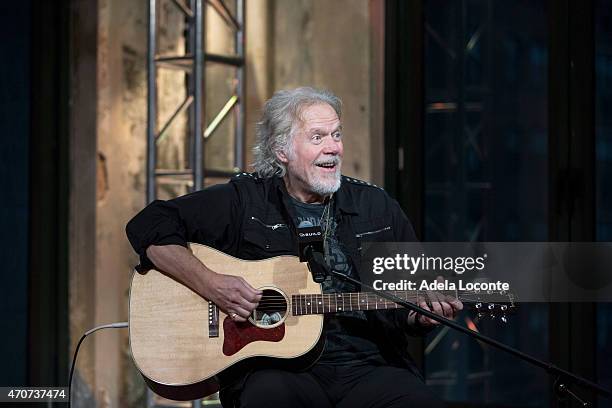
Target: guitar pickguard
[239,334]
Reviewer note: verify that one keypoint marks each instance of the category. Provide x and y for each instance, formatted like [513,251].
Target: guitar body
[184,345]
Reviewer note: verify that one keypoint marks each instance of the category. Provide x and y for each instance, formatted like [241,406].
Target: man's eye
[337,136]
[316,138]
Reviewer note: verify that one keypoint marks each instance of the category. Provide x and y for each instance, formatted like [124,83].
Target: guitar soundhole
[272,309]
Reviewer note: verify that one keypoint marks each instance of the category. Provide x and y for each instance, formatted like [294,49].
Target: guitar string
[279,304]
[370,294]
[283,305]
[368,298]
[281,299]
[357,306]
[398,291]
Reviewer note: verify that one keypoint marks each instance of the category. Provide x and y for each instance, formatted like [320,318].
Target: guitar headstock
[494,305]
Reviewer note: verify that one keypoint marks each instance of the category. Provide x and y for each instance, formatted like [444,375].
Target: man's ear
[280,154]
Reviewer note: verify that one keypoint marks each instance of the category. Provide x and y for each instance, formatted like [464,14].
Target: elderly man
[297,180]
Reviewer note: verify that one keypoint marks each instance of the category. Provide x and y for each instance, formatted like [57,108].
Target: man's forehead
[318,116]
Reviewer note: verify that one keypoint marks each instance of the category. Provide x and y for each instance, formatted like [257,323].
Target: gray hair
[275,129]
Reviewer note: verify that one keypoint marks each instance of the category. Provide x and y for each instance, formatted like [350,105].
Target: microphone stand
[563,378]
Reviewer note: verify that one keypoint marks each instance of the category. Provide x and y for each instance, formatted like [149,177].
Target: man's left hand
[440,304]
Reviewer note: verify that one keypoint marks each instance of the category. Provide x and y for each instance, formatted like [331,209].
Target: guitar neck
[349,301]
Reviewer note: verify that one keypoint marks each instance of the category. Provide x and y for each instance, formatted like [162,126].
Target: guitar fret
[313,304]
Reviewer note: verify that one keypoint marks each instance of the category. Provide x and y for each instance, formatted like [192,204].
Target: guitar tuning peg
[504,308]
[504,319]
[492,306]
[478,305]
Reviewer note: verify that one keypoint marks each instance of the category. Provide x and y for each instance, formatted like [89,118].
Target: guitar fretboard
[344,302]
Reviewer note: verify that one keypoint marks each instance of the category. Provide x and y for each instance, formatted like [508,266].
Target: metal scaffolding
[193,62]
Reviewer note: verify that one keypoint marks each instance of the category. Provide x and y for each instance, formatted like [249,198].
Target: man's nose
[332,146]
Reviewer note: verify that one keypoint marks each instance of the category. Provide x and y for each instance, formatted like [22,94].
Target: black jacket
[251,218]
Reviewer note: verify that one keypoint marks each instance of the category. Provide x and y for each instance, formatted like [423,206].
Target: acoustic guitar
[183,345]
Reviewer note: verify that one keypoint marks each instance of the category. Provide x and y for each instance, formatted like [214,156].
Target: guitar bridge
[213,320]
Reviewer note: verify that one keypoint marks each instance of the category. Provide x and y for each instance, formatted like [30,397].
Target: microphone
[310,242]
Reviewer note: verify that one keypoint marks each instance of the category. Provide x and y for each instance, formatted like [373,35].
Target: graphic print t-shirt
[347,333]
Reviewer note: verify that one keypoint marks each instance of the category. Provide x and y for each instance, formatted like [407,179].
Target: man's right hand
[233,295]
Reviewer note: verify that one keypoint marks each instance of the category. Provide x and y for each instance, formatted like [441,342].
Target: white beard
[326,186]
